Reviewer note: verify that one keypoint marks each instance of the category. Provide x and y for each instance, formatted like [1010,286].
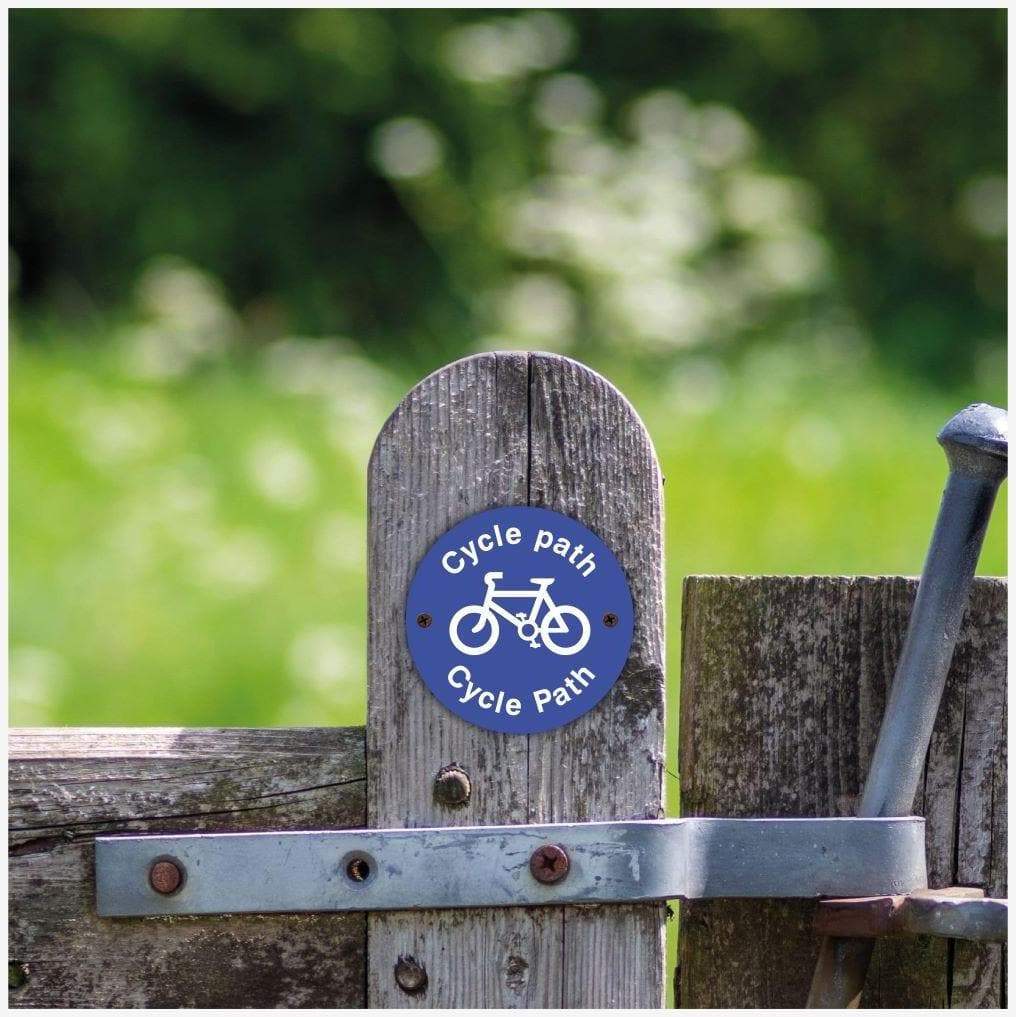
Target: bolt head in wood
[452,787]
[549,863]
[165,876]
[410,975]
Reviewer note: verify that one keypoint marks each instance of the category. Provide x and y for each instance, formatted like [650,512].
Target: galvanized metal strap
[378,870]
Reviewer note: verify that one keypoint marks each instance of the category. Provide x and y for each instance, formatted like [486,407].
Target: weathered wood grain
[783,687]
[591,459]
[68,785]
[514,429]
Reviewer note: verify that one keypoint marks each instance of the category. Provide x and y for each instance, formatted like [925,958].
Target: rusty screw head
[165,876]
[424,620]
[610,619]
[452,787]
[410,975]
[549,863]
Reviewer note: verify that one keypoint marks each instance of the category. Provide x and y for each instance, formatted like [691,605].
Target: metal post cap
[980,429]
[976,442]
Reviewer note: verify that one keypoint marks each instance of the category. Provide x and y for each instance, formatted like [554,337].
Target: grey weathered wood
[783,686]
[503,429]
[68,785]
[591,458]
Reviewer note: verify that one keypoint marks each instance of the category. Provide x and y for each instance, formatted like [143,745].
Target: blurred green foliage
[359,171]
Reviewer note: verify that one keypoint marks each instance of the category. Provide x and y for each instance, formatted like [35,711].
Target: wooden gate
[495,430]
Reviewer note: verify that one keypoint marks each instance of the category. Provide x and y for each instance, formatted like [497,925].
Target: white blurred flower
[567,100]
[697,385]
[340,542]
[281,472]
[724,136]
[332,368]
[539,307]
[634,226]
[662,311]
[37,677]
[174,291]
[155,354]
[304,366]
[813,446]
[188,321]
[121,430]
[506,49]
[660,114]
[790,263]
[322,658]
[757,202]
[184,488]
[237,563]
[481,53]
[582,155]
[407,148]
[351,424]
[982,206]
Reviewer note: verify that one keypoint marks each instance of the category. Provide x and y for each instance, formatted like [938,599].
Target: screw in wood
[424,620]
[610,619]
[549,863]
[452,787]
[410,975]
[166,876]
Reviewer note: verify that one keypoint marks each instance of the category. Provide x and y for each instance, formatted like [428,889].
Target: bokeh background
[239,236]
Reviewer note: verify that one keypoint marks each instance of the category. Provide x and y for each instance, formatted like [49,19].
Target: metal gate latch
[501,866]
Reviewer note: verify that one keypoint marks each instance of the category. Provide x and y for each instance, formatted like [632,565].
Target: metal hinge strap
[379,870]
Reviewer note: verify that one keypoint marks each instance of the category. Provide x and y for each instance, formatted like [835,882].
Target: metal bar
[378,870]
[976,445]
[953,913]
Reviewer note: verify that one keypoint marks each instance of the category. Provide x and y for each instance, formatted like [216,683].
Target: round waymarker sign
[519,619]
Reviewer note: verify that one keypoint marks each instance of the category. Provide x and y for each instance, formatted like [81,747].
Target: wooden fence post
[493,430]
[783,687]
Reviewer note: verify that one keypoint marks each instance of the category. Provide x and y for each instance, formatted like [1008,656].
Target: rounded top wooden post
[492,430]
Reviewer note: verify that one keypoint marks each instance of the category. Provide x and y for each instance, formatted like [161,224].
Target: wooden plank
[591,459]
[68,785]
[462,441]
[783,686]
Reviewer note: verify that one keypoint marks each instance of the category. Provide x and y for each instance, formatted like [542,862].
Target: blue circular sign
[519,619]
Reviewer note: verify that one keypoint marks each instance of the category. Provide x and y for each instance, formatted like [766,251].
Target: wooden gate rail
[67,785]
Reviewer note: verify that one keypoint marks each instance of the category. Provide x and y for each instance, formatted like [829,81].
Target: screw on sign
[519,619]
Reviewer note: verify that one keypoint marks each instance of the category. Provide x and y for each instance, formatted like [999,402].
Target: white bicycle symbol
[559,620]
